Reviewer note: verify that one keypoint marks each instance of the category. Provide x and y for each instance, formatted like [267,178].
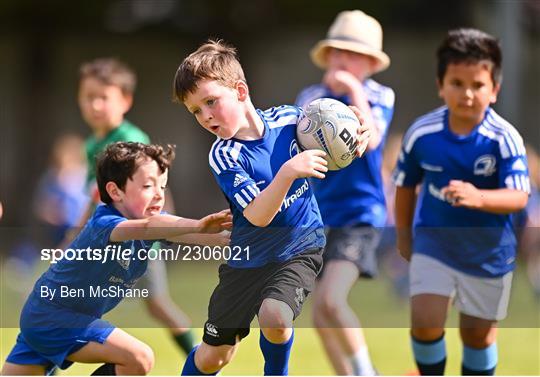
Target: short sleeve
[514,171]
[234,181]
[102,227]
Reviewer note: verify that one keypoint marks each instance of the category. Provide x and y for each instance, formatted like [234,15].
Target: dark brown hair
[110,71]
[214,60]
[119,162]
[469,46]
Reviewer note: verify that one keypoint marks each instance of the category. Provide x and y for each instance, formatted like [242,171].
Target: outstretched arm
[168,226]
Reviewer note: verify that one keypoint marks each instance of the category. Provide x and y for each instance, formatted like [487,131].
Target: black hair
[469,46]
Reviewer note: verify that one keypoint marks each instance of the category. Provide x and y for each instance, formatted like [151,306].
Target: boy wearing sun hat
[351,200]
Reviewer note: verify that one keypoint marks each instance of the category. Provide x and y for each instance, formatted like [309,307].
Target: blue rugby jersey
[491,156]
[244,168]
[355,195]
[81,274]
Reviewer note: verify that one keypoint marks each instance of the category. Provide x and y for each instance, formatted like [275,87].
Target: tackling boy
[57,330]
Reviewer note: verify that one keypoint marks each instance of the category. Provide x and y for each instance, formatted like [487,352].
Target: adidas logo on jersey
[238,179]
[519,165]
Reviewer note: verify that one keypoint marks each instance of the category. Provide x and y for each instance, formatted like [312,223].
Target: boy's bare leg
[336,322]
[10,369]
[211,359]
[129,355]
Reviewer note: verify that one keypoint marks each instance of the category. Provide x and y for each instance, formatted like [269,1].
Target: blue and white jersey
[492,156]
[355,195]
[89,275]
[245,168]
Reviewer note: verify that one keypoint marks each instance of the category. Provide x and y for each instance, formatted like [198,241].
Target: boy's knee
[275,314]
[329,306]
[477,338]
[427,334]
[210,359]
[142,360]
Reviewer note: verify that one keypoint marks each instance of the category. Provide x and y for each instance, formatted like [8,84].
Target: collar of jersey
[461,138]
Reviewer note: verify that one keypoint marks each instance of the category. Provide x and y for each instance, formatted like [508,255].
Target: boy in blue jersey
[473,173]
[58,328]
[277,224]
[352,200]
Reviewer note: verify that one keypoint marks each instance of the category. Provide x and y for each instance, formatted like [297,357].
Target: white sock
[361,363]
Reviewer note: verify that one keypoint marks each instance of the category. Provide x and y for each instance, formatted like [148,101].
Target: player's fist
[462,194]
[310,163]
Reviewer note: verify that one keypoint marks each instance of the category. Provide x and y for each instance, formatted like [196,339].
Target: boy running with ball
[259,168]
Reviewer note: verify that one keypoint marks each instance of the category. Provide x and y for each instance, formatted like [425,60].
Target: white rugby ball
[331,126]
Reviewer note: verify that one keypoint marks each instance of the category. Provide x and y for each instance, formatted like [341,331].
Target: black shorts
[240,292]
[354,244]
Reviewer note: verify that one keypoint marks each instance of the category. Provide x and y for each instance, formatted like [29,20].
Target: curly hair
[119,162]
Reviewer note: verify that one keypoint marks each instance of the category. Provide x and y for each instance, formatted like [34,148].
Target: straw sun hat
[353,31]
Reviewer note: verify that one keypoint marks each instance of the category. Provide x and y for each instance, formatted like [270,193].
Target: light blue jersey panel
[355,195]
[245,168]
[492,156]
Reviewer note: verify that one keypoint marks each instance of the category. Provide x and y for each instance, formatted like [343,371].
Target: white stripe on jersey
[224,155]
[518,182]
[253,190]
[283,121]
[490,134]
[240,201]
[247,195]
[281,116]
[379,94]
[509,182]
[436,116]
[421,131]
[399,178]
[511,134]
[212,160]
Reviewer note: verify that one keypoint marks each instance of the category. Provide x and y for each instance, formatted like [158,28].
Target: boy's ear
[114,191]
[128,102]
[495,93]
[242,90]
[439,87]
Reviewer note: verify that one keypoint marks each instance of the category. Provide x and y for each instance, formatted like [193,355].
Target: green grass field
[387,335]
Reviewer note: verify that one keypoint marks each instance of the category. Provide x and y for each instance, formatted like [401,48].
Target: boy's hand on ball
[310,163]
[216,222]
[364,132]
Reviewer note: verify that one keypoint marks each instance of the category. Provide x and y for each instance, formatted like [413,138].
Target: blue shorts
[49,333]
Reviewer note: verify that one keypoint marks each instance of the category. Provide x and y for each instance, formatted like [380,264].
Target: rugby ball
[331,126]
